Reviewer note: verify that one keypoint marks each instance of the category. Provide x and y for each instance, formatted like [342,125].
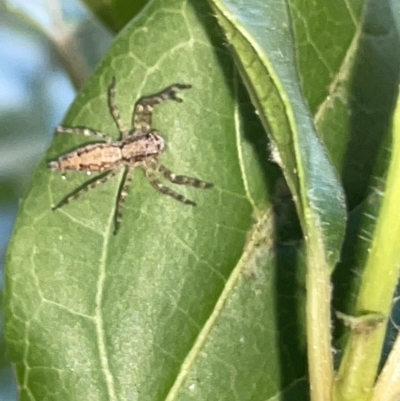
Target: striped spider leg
[154,166]
[139,146]
[143,113]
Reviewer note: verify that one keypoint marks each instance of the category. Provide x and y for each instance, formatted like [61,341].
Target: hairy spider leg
[115,111]
[83,131]
[142,116]
[159,186]
[123,193]
[100,179]
[180,179]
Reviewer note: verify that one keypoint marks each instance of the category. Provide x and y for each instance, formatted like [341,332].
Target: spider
[138,146]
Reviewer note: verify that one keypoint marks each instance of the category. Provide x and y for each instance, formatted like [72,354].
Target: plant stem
[362,354]
[388,386]
[318,323]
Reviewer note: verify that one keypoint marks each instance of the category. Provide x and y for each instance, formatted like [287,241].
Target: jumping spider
[139,146]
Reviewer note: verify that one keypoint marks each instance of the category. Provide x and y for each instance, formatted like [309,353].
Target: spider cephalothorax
[139,146]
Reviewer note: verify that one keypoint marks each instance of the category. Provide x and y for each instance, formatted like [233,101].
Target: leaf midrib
[252,245]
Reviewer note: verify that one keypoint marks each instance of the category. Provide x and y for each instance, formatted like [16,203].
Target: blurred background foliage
[38,83]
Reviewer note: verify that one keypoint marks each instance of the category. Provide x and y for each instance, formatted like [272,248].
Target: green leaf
[272,82]
[353,118]
[182,303]
[395,6]
[327,38]
[263,47]
[115,14]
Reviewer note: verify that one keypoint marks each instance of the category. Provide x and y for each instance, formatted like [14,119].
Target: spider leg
[142,116]
[83,131]
[114,109]
[159,186]
[123,192]
[100,179]
[182,179]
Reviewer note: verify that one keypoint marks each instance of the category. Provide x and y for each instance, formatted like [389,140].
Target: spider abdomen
[96,157]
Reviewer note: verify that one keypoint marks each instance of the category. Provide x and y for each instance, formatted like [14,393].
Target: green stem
[318,323]
[388,386]
[358,370]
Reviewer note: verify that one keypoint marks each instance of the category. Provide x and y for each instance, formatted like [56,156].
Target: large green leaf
[183,302]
